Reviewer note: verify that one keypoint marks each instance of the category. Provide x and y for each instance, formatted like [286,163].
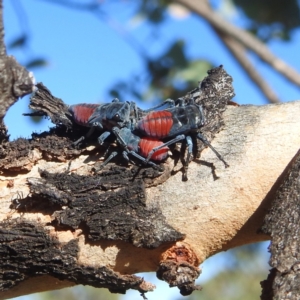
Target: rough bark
[15,80]
[128,219]
[108,206]
[61,224]
[283,224]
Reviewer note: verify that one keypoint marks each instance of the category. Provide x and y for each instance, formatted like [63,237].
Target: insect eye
[117,117]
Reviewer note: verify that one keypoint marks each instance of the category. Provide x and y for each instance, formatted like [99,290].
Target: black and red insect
[173,125]
[139,147]
[82,112]
[102,117]
[148,137]
[142,146]
[108,115]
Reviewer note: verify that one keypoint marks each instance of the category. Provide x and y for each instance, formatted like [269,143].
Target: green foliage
[231,285]
[271,18]
[18,42]
[170,75]
[36,63]
[22,42]
[78,292]
[153,10]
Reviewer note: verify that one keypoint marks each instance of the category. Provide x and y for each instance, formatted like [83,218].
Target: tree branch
[249,41]
[282,223]
[239,53]
[2,45]
[15,80]
[67,226]
[215,210]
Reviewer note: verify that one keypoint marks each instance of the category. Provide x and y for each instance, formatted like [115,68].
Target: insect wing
[82,112]
[156,124]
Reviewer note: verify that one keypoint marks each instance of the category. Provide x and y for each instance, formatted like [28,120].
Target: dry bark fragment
[110,205]
[28,250]
[283,224]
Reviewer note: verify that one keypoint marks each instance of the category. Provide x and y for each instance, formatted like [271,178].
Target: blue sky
[87,55]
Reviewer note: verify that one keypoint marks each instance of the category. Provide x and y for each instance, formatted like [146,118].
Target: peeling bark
[28,250]
[45,179]
[179,267]
[116,217]
[61,225]
[283,224]
[15,81]
[110,206]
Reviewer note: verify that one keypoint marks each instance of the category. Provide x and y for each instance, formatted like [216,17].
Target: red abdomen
[82,112]
[147,144]
[156,124]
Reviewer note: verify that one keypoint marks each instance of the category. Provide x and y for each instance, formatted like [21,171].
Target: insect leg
[90,132]
[202,115]
[82,138]
[120,140]
[175,140]
[188,158]
[103,137]
[142,159]
[111,156]
[168,103]
[190,149]
[207,143]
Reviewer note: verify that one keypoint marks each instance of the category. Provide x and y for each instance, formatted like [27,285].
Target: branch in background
[15,80]
[237,41]
[239,53]
[202,9]
[2,45]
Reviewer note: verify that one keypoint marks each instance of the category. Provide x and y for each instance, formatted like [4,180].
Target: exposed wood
[61,224]
[216,209]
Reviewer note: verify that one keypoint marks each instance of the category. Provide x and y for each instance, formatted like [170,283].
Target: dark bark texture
[283,224]
[44,255]
[106,206]
[109,205]
[15,81]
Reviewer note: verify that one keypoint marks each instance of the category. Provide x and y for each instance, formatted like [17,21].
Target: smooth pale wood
[215,214]
[258,143]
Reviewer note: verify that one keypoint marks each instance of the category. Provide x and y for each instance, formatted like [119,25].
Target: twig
[239,52]
[202,9]
[2,45]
